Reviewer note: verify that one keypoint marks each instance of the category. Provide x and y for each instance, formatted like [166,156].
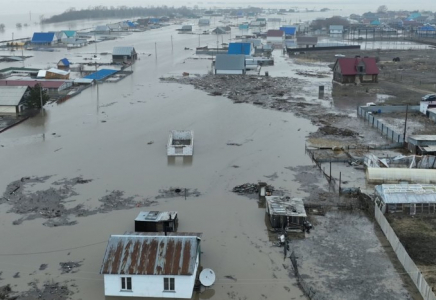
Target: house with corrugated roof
[240,48]
[152,265]
[125,54]
[43,38]
[12,99]
[355,70]
[230,64]
[336,29]
[290,31]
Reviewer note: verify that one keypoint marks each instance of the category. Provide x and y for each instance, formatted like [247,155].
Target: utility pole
[155,49]
[405,124]
[172,46]
[40,95]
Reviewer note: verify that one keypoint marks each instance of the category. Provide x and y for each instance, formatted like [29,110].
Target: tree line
[72,14]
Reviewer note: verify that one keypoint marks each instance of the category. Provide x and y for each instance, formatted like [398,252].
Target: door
[412,209]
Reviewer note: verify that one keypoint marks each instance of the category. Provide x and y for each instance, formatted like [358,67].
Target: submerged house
[245,48]
[284,212]
[63,64]
[230,64]
[336,29]
[156,221]
[275,36]
[151,265]
[124,54]
[355,70]
[180,143]
[290,31]
[12,99]
[43,38]
[408,199]
[204,22]
[57,74]
[307,41]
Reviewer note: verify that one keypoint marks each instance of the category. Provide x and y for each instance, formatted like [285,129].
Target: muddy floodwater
[113,136]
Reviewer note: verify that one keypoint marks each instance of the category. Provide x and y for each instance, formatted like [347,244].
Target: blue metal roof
[43,37]
[288,30]
[426,28]
[154,20]
[243,26]
[65,61]
[101,74]
[130,24]
[70,33]
[239,48]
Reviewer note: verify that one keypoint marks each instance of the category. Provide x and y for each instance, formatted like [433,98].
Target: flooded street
[111,140]
[72,140]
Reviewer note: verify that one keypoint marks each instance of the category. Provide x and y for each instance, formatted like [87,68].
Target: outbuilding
[230,64]
[336,29]
[355,70]
[54,73]
[156,221]
[285,212]
[245,48]
[204,22]
[12,99]
[290,31]
[43,38]
[124,54]
[151,265]
[63,64]
[275,36]
[307,41]
[408,199]
[416,141]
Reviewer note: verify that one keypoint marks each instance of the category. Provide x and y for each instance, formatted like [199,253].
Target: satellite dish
[207,277]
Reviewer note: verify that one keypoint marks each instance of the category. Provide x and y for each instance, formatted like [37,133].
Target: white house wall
[274,39]
[8,110]
[149,286]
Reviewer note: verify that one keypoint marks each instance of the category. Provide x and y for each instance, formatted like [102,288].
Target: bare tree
[382,9]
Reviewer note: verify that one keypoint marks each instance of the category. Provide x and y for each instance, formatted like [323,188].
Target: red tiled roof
[32,83]
[348,65]
[273,32]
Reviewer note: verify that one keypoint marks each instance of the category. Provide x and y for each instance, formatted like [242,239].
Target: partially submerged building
[336,29]
[63,64]
[54,73]
[245,48]
[156,221]
[355,70]
[290,31]
[12,99]
[275,36]
[124,55]
[420,143]
[230,64]
[203,22]
[284,212]
[159,266]
[43,38]
[408,199]
[307,41]
[180,143]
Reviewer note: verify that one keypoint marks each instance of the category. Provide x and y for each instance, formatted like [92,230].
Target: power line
[52,251]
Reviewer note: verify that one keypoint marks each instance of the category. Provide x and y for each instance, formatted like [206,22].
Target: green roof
[70,33]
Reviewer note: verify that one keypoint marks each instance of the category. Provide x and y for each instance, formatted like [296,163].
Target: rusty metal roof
[150,255]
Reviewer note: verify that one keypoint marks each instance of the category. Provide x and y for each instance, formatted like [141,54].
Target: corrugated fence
[404,257]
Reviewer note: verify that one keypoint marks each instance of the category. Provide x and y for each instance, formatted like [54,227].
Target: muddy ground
[50,203]
[418,236]
[48,291]
[417,123]
[342,258]
[407,80]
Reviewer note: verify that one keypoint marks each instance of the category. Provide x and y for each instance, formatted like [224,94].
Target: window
[126,283]
[169,284]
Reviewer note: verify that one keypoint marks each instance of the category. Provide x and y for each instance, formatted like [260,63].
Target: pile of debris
[70,267]
[251,188]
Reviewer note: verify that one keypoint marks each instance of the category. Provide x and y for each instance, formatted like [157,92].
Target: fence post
[340,180]
[330,177]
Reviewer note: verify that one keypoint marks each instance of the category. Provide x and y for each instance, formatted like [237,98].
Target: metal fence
[402,255]
[384,129]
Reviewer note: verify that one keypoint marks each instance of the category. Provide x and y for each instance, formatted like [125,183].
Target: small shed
[355,70]
[406,198]
[204,22]
[63,64]
[156,221]
[285,212]
[336,29]
[12,99]
[307,41]
[43,38]
[180,143]
[290,31]
[416,141]
[275,36]
[186,28]
[102,29]
[54,73]
[240,48]
[219,30]
[230,64]
[124,54]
